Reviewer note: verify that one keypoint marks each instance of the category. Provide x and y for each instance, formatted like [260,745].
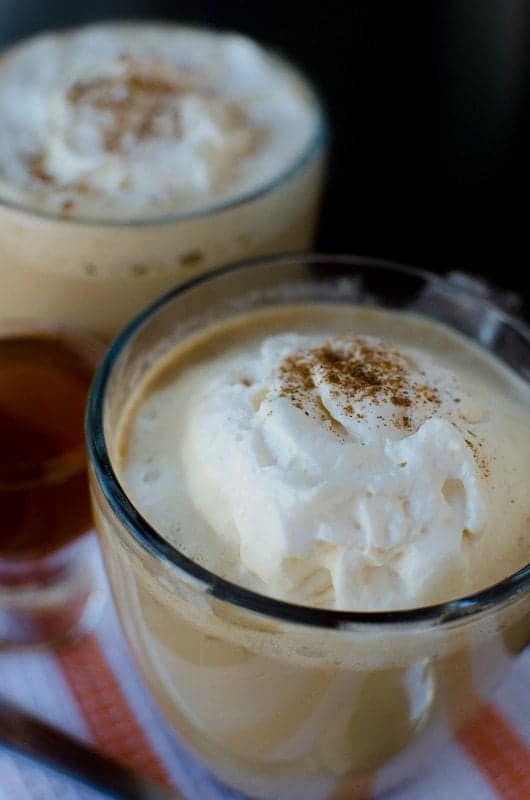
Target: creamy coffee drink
[137,121]
[349,459]
[336,457]
[134,156]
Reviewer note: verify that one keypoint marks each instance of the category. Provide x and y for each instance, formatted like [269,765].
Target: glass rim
[316,143]
[150,540]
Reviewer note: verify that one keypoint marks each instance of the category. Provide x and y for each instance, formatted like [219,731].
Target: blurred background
[429,111]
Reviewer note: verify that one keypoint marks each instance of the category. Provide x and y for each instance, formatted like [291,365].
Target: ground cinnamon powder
[356,369]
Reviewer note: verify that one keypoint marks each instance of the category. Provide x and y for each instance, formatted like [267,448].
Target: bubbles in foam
[151,476]
[148,414]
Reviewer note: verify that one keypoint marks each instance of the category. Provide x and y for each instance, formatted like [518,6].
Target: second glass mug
[280,700]
[97,273]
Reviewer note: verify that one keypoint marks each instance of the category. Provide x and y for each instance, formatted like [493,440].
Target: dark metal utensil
[25,734]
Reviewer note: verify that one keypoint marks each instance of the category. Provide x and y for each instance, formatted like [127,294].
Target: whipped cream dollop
[345,472]
[140,120]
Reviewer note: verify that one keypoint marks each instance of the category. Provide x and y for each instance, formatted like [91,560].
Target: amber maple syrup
[47,588]
[44,381]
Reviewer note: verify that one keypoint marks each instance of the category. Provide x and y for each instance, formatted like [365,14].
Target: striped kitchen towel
[92,689]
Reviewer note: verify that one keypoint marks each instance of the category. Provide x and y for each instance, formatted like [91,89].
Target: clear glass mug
[279,700]
[98,273]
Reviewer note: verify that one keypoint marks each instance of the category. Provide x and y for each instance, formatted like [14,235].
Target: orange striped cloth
[92,689]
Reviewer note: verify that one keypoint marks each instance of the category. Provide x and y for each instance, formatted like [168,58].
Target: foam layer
[134,121]
[384,489]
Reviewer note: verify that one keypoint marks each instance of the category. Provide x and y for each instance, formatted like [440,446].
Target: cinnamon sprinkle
[478,455]
[356,369]
[134,101]
[35,167]
[68,206]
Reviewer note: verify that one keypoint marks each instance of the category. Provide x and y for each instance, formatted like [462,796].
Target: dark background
[429,111]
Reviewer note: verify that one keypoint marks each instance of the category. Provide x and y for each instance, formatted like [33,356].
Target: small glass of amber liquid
[47,584]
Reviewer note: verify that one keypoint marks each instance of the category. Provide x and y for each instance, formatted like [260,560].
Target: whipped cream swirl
[135,120]
[346,472]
